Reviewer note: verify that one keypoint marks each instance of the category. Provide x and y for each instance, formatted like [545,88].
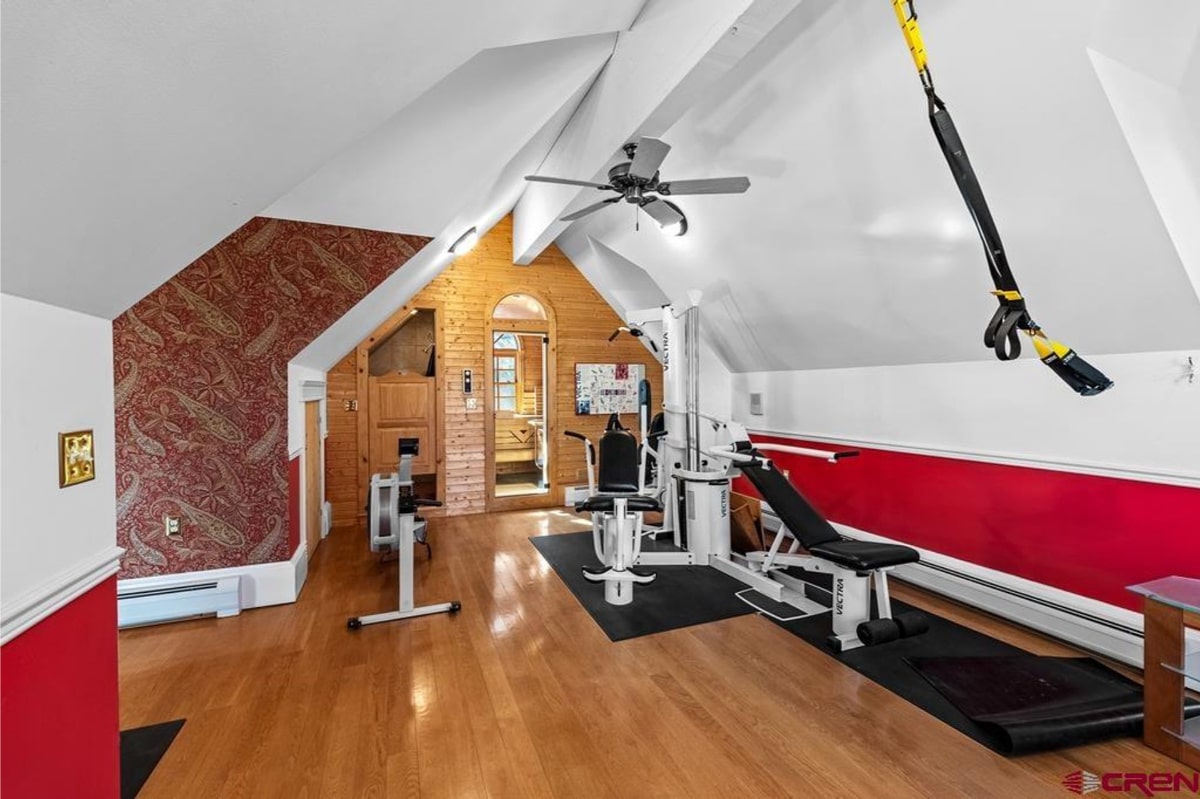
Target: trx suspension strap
[1003,334]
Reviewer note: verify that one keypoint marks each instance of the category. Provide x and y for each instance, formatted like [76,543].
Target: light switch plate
[76,458]
[756,404]
[472,403]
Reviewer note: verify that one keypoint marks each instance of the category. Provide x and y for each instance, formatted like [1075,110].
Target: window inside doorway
[505,379]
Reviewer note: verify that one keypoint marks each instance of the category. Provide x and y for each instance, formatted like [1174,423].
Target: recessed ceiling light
[466,242]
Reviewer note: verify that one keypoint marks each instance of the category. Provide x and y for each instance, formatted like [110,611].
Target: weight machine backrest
[617,460]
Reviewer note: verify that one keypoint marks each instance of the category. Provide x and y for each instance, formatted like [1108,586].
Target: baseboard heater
[573,495]
[160,600]
[1092,631]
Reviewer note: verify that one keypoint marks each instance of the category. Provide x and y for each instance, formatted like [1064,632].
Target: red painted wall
[1085,534]
[201,388]
[59,722]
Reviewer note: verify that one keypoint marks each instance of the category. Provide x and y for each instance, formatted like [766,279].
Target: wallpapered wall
[201,388]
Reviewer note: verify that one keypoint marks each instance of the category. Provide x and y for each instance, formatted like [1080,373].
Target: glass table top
[1179,592]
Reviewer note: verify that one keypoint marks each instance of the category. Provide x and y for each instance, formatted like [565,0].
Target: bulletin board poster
[604,388]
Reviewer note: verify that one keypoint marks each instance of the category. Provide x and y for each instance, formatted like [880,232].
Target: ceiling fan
[637,181]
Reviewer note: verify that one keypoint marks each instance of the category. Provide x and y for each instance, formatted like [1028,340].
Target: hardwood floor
[521,694]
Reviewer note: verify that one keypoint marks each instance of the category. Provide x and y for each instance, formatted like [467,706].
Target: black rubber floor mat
[141,749]
[1028,703]
[681,596]
[1114,713]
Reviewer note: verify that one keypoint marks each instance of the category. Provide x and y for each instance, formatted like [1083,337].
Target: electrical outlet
[472,403]
[350,405]
[172,525]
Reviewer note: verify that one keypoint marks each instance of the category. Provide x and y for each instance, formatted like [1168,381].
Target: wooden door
[402,406]
[312,475]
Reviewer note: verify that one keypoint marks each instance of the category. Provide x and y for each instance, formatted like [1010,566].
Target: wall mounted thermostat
[466,381]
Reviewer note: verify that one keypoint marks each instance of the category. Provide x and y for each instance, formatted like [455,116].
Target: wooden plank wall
[341,444]
[467,291]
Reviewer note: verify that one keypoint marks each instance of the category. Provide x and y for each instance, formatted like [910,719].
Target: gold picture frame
[76,458]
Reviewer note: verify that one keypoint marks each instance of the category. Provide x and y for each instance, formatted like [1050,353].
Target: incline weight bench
[853,565]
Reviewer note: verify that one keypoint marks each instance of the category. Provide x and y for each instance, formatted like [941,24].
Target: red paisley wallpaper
[201,388]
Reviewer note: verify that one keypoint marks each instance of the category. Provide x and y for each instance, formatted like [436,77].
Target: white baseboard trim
[1086,623]
[262,584]
[37,603]
[300,567]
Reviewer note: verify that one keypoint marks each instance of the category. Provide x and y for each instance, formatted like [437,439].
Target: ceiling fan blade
[591,209]
[660,212]
[704,186]
[569,182]
[648,158]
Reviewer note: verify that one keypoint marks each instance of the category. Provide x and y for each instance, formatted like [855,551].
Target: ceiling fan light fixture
[465,243]
[679,227]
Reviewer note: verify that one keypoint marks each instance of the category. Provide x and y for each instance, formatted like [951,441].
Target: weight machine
[696,509]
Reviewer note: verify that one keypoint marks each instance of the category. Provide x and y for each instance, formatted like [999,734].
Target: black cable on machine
[1003,333]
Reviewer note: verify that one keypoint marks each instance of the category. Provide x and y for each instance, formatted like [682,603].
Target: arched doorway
[519,393]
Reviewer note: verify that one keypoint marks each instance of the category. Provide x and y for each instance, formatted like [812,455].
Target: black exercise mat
[1028,703]
[141,749]
[680,597]
[888,665]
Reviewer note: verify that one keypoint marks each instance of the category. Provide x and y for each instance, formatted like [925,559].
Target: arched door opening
[519,402]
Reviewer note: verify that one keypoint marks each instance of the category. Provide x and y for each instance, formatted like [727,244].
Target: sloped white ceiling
[414,171]
[138,134]
[481,198]
[852,246]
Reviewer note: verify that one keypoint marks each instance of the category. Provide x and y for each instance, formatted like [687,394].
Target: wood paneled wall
[466,292]
[342,490]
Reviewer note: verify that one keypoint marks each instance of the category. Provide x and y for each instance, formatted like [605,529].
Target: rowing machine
[404,531]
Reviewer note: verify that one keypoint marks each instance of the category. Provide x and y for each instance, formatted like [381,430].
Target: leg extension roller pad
[618,575]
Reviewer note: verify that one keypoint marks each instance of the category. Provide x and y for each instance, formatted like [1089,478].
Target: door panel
[312,475]
[402,407]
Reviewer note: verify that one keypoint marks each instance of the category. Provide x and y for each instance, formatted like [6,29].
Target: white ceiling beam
[674,51]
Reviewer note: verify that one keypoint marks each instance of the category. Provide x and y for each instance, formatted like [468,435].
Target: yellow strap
[1011,296]
[912,33]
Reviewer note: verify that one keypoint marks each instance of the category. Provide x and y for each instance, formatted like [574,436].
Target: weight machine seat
[605,503]
[864,556]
